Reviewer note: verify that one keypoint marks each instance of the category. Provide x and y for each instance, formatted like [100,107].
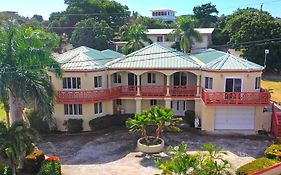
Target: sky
[28,8]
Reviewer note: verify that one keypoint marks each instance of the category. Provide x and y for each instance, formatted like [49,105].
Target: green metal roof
[154,56]
[112,53]
[84,58]
[218,60]
[209,55]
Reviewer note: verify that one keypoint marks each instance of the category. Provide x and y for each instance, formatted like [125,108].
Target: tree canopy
[248,25]
[205,14]
[91,33]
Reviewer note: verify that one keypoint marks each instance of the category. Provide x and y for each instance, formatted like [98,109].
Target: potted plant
[160,117]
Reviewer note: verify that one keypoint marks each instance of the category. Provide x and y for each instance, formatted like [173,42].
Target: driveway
[114,151]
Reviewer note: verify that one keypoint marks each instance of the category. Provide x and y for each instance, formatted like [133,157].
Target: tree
[151,23]
[16,141]
[248,25]
[39,18]
[23,71]
[92,34]
[204,14]
[185,34]
[136,37]
[114,13]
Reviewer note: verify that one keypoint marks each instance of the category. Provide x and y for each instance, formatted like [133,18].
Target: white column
[168,85]
[138,85]
[168,102]
[138,105]
[198,85]
[108,81]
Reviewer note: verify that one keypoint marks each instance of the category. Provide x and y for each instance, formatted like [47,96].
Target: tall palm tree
[136,37]
[185,34]
[25,59]
[16,141]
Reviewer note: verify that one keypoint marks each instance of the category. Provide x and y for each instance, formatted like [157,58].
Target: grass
[273,83]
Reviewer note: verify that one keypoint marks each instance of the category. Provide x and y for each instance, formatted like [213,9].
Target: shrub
[51,166]
[37,122]
[34,160]
[273,152]
[255,166]
[5,170]
[73,125]
[190,117]
[109,121]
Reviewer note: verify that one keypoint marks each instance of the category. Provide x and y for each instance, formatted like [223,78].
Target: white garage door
[235,118]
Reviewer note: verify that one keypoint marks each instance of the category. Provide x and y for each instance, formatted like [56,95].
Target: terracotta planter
[150,148]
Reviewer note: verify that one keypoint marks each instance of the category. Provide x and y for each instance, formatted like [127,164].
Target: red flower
[53,158]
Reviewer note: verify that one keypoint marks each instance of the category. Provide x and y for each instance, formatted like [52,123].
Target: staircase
[276,120]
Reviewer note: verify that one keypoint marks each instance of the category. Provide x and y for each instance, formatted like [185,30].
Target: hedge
[109,121]
[51,166]
[273,152]
[73,125]
[34,160]
[255,166]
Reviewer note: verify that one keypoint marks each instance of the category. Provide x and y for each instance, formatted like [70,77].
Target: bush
[109,121]
[51,166]
[5,170]
[34,160]
[273,152]
[37,123]
[255,166]
[190,117]
[73,125]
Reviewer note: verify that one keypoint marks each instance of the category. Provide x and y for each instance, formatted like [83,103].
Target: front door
[179,107]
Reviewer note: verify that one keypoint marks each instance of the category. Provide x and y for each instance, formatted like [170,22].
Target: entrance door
[179,107]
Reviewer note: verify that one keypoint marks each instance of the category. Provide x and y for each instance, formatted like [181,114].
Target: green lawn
[273,82]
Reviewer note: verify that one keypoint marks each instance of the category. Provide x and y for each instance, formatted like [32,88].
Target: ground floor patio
[114,151]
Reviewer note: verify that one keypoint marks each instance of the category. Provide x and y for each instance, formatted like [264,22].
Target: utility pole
[266,52]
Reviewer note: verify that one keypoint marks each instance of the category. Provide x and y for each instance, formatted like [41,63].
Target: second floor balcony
[146,91]
[259,98]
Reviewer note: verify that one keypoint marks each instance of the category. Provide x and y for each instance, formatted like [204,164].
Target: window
[153,102]
[258,83]
[119,102]
[151,78]
[71,83]
[98,108]
[73,109]
[98,81]
[159,38]
[180,79]
[117,78]
[208,83]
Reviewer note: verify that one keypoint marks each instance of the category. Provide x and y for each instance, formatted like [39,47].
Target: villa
[222,89]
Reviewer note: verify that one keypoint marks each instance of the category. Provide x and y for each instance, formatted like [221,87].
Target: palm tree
[185,34]
[136,37]
[25,59]
[17,141]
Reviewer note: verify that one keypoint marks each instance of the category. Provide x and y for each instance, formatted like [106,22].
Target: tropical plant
[183,163]
[159,116]
[136,37]
[185,34]
[204,14]
[25,59]
[17,141]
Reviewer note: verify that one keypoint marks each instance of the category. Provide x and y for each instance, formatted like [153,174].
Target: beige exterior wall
[248,80]
[88,114]
[208,116]
[262,120]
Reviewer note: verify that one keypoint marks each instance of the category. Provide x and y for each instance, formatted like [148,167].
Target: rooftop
[169,31]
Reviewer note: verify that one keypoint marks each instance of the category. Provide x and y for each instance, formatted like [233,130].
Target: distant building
[164,14]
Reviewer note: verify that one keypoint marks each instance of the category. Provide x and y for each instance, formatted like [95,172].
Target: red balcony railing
[276,125]
[260,98]
[146,91]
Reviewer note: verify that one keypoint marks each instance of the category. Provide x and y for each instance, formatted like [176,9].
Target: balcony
[146,91]
[260,98]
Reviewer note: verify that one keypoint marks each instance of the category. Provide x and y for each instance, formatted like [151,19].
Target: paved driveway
[114,151]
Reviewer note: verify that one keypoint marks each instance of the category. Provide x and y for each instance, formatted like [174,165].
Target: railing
[146,91]
[275,122]
[236,98]
[183,91]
